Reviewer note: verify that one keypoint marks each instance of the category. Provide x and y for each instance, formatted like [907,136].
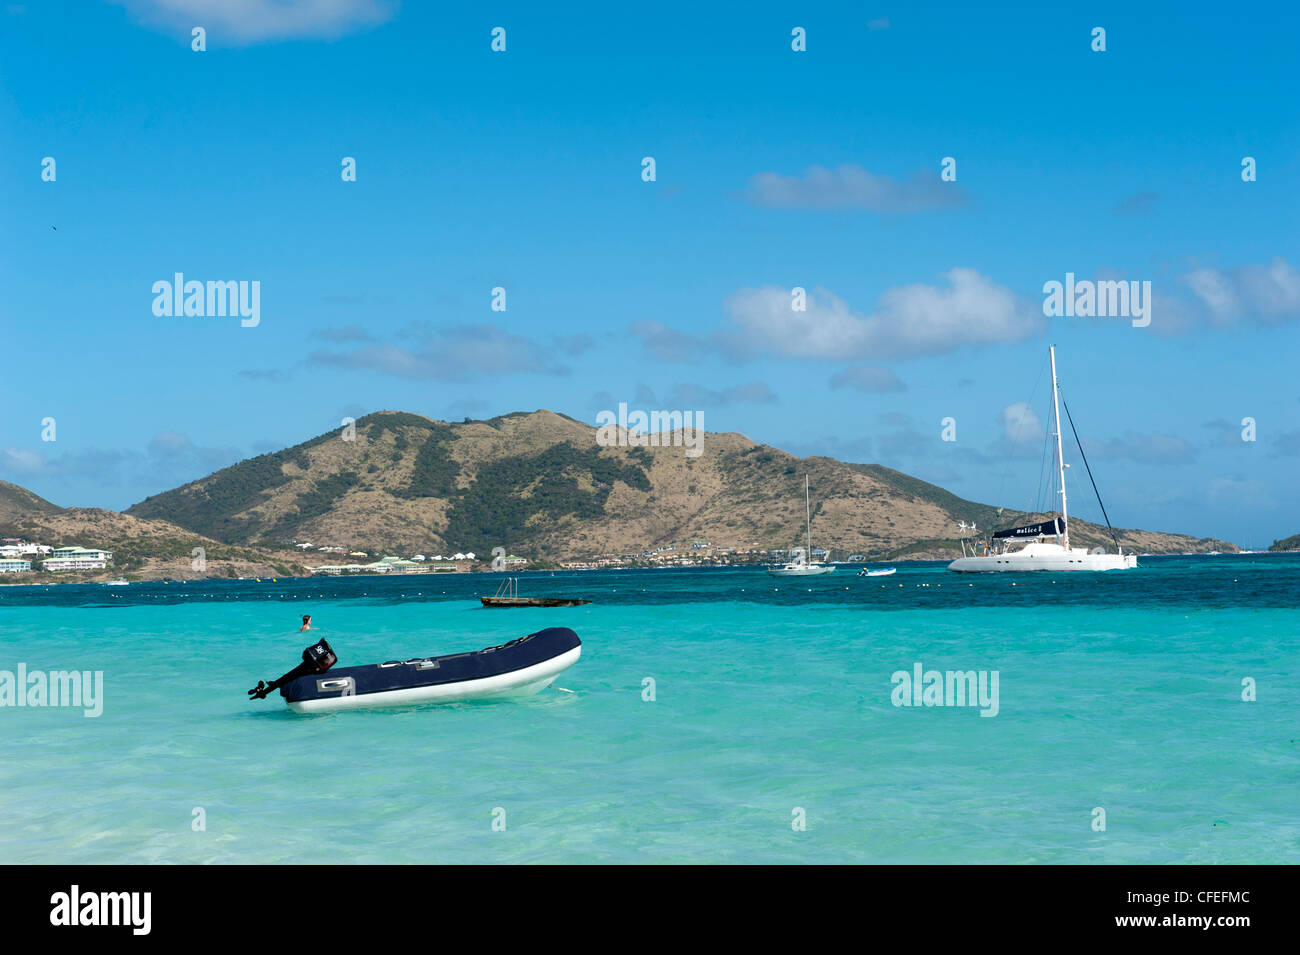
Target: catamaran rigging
[1039,554]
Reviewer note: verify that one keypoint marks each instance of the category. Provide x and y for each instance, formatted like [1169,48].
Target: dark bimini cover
[1046,529]
[432,671]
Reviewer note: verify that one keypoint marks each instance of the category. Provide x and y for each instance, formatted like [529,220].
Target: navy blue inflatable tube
[517,668]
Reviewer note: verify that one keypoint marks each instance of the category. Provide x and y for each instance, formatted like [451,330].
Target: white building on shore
[15,548]
[77,558]
[388,565]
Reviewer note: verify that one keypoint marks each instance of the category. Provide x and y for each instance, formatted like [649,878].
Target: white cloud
[1021,424]
[255,21]
[1268,293]
[266,374]
[663,343]
[169,444]
[1214,291]
[169,458]
[453,354]
[1143,448]
[872,379]
[1287,443]
[1138,204]
[1237,493]
[348,333]
[574,345]
[852,187]
[21,463]
[909,320]
[688,395]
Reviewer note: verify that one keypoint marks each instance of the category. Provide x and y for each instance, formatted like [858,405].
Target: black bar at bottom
[335,905]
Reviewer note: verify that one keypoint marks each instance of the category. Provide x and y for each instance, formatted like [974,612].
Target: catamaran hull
[1012,563]
[519,668]
[799,571]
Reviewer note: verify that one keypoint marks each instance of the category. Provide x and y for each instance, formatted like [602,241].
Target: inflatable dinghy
[518,668]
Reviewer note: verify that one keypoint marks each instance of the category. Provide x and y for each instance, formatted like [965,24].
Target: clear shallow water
[1121,691]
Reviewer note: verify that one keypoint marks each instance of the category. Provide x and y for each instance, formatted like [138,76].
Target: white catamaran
[1040,553]
[800,565]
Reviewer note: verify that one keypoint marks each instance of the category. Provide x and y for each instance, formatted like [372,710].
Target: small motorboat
[519,668]
[877,573]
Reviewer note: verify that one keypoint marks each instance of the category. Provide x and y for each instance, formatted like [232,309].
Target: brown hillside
[539,485]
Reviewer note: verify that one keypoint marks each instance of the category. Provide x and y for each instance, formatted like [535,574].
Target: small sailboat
[1040,553]
[799,565]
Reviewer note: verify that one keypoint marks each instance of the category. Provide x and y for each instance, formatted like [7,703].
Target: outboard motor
[317,658]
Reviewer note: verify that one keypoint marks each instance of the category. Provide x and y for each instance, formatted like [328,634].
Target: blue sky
[774,169]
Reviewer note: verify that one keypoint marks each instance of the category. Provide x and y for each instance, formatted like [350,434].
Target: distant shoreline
[551,571]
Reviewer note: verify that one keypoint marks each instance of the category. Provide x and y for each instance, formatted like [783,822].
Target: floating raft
[507,595]
[532,602]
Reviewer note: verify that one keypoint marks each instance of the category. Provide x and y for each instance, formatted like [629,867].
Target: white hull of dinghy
[516,683]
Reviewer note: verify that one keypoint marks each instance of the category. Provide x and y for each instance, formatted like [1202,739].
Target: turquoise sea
[772,703]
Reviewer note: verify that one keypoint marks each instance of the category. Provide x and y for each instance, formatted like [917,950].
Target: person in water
[306,623]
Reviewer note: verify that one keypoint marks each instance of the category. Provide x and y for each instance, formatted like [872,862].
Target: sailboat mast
[1060,457]
[807,506]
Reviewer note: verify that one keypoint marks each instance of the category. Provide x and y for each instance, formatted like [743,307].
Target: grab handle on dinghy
[346,684]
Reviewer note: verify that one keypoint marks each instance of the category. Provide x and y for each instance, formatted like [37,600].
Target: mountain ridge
[538,483]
